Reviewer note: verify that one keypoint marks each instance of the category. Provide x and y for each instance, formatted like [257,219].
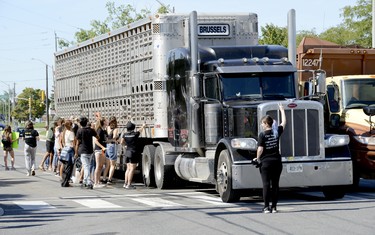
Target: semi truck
[201,84]
[350,100]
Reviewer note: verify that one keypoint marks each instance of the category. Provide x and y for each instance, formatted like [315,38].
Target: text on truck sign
[213,30]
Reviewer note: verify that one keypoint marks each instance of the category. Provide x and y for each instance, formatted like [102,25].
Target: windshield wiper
[243,97]
[276,96]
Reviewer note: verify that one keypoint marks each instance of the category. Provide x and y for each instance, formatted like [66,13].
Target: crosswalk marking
[33,205]
[211,200]
[156,202]
[97,203]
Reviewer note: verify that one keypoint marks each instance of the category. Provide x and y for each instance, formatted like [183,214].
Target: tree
[274,35]
[118,16]
[21,109]
[356,27]
[358,21]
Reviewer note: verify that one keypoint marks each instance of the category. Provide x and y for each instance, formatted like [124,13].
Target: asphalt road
[38,205]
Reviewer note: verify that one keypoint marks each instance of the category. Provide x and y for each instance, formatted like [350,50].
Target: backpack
[5,141]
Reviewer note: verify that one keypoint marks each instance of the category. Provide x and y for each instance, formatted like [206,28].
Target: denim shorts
[110,152]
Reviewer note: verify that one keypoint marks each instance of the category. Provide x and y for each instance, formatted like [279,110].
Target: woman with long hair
[111,152]
[100,146]
[7,147]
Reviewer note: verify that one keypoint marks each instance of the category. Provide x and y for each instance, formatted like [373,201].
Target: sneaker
[109,182]
[13,168]
[42,168]
[7,168]
[90,186]
[274,210]
[27,174]
[266,210]
[104,181]
[98,186]
[32,172]
[130,187]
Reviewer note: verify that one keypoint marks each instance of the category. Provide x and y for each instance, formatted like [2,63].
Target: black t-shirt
[131,139]
[30,137]
[270,144]
[102,138]
[84,137]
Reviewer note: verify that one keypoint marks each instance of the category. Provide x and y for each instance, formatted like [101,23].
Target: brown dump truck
[350,96]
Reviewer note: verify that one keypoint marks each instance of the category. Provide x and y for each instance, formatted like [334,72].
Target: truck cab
[352,99]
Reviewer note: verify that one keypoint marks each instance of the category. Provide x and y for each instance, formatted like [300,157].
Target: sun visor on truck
[257,69]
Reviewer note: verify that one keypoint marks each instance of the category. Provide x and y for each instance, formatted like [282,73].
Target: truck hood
[358,122]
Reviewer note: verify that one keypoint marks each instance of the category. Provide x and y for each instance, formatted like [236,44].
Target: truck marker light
[292,105]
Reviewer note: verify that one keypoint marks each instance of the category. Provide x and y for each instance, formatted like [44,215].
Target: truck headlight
[244,143]
[336,141]
[365,140]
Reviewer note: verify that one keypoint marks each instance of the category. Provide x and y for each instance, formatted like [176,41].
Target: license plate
[294,168]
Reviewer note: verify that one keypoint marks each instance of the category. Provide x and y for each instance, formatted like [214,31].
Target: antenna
[320,58]
[167,7]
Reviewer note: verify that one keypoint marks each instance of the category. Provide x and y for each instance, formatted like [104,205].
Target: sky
[28,28]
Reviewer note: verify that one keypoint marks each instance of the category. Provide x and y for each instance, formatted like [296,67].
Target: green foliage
[358,23]
[274,35]
[21,109]
[118,16]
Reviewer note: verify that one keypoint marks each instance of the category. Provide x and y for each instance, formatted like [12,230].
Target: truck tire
[148,166]
[224,178]
[334,192]
[163,173]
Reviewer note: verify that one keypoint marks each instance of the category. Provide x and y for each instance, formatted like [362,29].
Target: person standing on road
[100,148]
[68,142]
[84,147]
[7,147]
[111,150]
[269,157]
[31,137]
[132,155]
[50,143]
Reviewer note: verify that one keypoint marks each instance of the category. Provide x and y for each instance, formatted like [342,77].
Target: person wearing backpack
[7,147]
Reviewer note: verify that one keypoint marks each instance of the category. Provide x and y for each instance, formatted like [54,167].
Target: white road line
[33,205]
[156,202]
[211,200]
[96,203]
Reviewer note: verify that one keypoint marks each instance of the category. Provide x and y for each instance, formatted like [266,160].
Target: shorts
[110,152]
[8,148]
[132,157]
[50,146]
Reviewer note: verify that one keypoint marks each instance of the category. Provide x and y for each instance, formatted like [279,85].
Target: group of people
[89,148]
[95,145]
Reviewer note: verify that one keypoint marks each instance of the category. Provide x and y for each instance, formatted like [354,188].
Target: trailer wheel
[334,192]
[148,166]
[163,173]
[224,178]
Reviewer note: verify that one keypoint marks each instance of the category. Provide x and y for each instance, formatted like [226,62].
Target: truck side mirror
[369,110]
[334,120]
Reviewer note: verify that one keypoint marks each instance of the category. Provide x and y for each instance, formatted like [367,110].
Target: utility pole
[47,106]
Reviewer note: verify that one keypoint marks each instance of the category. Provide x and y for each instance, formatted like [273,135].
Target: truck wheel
[148,166]
[163,173]
[334,192]
[224,178]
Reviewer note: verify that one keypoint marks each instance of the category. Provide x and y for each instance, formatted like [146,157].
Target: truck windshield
[358,93]
[270,86]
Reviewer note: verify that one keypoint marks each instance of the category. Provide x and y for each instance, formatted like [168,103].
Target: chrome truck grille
[304,129]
